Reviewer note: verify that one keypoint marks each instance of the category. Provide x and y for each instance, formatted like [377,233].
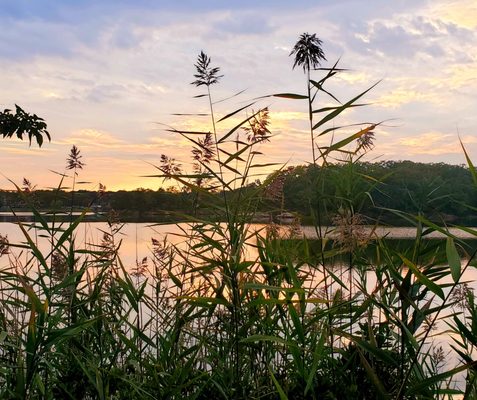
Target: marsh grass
[225,311]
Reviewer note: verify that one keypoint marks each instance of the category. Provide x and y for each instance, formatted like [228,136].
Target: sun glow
[462,13]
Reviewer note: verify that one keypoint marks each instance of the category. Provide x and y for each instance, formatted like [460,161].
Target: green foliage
[440,191]
[22,123]
[236,312]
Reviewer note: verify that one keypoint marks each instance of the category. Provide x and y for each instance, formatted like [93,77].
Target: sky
[107,76]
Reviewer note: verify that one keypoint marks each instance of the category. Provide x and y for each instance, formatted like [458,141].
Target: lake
[136,244]
[136,237]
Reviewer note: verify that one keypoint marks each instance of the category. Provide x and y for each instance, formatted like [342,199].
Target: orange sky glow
[108,77]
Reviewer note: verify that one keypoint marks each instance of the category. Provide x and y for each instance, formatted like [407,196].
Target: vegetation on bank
[442,192]
[225,312]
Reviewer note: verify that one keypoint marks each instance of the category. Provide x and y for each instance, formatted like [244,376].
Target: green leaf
[317,356]
[56,335]
[384,355]
[280,391]
[339,110]
[453,259]
[329,74]
[472,170]
[290,96]
[69,232]
[229,133]
[324,109]
[260,286]
[264,165]
[373,376]
[432,286]
[235,112]
[39,383]
[437,228]
[435,379]
[297,323]
[200,133]
[229,97]
[175,279]
[238,153]
[204,301]
[349,139]
[267,338]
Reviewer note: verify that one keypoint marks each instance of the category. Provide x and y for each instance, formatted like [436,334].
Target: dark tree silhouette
[21,123]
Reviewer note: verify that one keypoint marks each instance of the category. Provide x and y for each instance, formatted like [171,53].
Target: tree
[22,123]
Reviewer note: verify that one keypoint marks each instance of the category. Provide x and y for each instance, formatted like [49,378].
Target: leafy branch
[21,123]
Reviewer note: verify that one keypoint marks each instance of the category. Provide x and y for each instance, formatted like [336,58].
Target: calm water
[136,237]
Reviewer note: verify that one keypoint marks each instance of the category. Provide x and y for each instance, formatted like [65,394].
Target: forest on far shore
[441,192]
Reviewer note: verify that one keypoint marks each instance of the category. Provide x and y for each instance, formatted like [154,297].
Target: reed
[202,317]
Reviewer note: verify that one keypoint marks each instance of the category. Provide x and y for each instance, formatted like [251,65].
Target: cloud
[401,96]
[93,138]
[408,38]
[468,139]
[26,40]
[354,77]
[126,35]
[424,140]
[462,77]
[21,148]
[405,38]
[118,92]
[424,144]
[102,73]
[66,29]
[243,24]
[462,13]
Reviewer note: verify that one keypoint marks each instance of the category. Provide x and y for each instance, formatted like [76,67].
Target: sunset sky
[106,74]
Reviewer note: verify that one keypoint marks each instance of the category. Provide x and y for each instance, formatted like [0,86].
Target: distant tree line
[441,192]
[135,205]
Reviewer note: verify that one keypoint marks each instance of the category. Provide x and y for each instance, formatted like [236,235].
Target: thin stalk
[217,149]
[350,277]
[310,113]
[233,274]
[73,196]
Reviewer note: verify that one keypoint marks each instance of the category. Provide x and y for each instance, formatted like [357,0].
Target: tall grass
[229,311]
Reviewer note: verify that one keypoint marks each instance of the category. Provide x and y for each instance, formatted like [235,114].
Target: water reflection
[135,244]
[135,238]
